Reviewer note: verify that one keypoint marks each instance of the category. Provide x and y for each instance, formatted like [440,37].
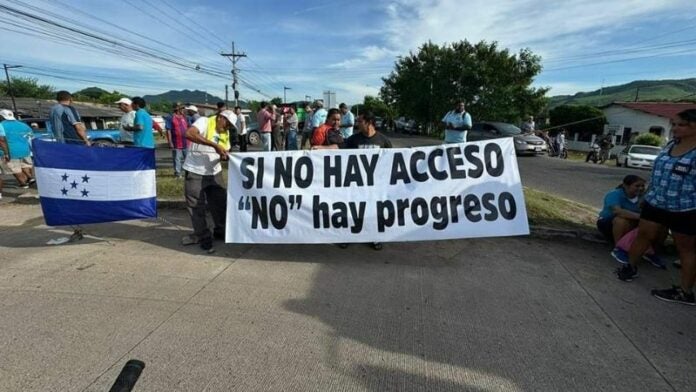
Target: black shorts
[683,222]
[606,227]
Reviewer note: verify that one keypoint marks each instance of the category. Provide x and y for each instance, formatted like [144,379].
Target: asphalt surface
[494,314]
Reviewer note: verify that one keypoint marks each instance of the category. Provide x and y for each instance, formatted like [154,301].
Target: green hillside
[647,90]
[184,96]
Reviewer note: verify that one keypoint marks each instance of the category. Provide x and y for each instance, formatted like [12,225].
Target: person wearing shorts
[671,202]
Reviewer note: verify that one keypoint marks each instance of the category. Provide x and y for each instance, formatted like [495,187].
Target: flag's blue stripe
[79,157]
[62,212]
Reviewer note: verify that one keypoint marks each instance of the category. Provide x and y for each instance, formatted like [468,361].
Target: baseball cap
[192,108]
[127,101]
[7,114]
[230,116]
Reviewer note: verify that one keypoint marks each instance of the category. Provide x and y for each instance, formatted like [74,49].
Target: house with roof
[94,115]
[626,120]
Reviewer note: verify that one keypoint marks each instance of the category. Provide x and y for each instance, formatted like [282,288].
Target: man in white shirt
[203,185]
[127,120]
[457,124]
[241,129]
[347,121]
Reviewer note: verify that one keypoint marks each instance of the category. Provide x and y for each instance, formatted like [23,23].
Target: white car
[638,155]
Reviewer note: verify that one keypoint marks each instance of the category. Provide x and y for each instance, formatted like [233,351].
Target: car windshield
[508,129]
[645,150]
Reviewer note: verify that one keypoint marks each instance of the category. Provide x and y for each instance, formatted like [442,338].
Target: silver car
[525,144]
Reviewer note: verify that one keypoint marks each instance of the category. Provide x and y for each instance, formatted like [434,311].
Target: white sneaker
[189,240]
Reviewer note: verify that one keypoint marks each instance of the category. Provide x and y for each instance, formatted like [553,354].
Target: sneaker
[674,295]
[23,186]
[620,255]
[31,181]
[627,273]
[377,245]
[190,240]
[207,245]
[655,260]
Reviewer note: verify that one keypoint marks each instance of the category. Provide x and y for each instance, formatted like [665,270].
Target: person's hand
[223,153]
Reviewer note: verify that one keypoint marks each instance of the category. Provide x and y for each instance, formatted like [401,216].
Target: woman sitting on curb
[621,210]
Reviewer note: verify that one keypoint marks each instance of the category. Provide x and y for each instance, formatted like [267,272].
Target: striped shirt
[673,181]
[177,125]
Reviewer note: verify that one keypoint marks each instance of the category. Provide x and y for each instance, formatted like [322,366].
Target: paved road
[579,181]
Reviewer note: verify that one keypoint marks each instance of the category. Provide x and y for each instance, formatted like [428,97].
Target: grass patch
[547,210]
[171,188]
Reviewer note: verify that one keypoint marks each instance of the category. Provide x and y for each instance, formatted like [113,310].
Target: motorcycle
[593,154]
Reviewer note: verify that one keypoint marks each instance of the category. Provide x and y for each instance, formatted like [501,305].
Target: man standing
[368,137]
[241,129]
[307,129]
[528,126]
[65,121]
[277,130]
[16,157]
[265,118]
[192,113]
[319,116]
[176,137]
[142,125]
[127,120]
[291,129]
[4,156]
[203,186]
[457,124]
[347,121]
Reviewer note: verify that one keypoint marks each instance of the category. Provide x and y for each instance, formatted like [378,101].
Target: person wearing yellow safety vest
[222,136]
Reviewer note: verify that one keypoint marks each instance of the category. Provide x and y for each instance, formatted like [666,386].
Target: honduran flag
[79,184]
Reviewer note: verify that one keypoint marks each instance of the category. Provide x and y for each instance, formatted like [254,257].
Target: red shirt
[319,135]
[265,120]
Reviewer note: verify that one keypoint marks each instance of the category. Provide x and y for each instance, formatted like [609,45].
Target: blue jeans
[266,141]
[178,156]
[291,142]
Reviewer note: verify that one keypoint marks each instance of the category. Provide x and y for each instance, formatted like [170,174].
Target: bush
[584,120]
[649,139]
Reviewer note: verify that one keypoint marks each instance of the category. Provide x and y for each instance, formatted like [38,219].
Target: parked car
[525,143]
[98,137]
[253,135]
[638,155]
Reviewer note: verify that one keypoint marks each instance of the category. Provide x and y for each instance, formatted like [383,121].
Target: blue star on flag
[64,191]
[85,178]
[73,184]
[85,192]
[64,177]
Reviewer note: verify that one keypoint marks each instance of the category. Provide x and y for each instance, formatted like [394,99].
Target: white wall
[638,121]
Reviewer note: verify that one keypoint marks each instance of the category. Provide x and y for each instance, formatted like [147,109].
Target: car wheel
[103,143]
[254,138]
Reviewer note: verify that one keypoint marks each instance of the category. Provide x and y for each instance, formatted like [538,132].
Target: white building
[626,120]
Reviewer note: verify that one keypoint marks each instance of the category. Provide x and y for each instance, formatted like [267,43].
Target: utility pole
[235,57]
[227,95]
[9,85]
[284,90]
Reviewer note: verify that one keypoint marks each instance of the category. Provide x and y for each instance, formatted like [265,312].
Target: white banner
[376,195]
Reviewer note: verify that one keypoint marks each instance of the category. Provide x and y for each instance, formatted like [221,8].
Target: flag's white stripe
[102,185]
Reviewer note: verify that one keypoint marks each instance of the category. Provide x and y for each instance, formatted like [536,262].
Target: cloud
[366,56]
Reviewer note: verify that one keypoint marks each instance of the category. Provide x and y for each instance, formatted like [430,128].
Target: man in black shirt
[368,137]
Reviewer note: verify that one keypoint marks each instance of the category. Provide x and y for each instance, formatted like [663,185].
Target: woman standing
[671,202]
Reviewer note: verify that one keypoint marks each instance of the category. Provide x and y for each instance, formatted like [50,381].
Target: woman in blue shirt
[621,210]
[671,203]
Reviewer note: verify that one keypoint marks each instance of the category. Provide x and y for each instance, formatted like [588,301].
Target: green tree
[29,88]
[649,139]
[582,119]
[495,84]
[276,101]
[162,106]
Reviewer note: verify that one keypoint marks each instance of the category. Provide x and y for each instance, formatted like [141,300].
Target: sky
[152,46]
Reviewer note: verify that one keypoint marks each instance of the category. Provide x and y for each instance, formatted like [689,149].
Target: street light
[284,90]
[9,85]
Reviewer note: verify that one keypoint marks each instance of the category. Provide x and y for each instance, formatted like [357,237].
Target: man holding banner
[203,186]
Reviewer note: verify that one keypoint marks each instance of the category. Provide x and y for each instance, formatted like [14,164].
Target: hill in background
[647,90]
[183,96]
